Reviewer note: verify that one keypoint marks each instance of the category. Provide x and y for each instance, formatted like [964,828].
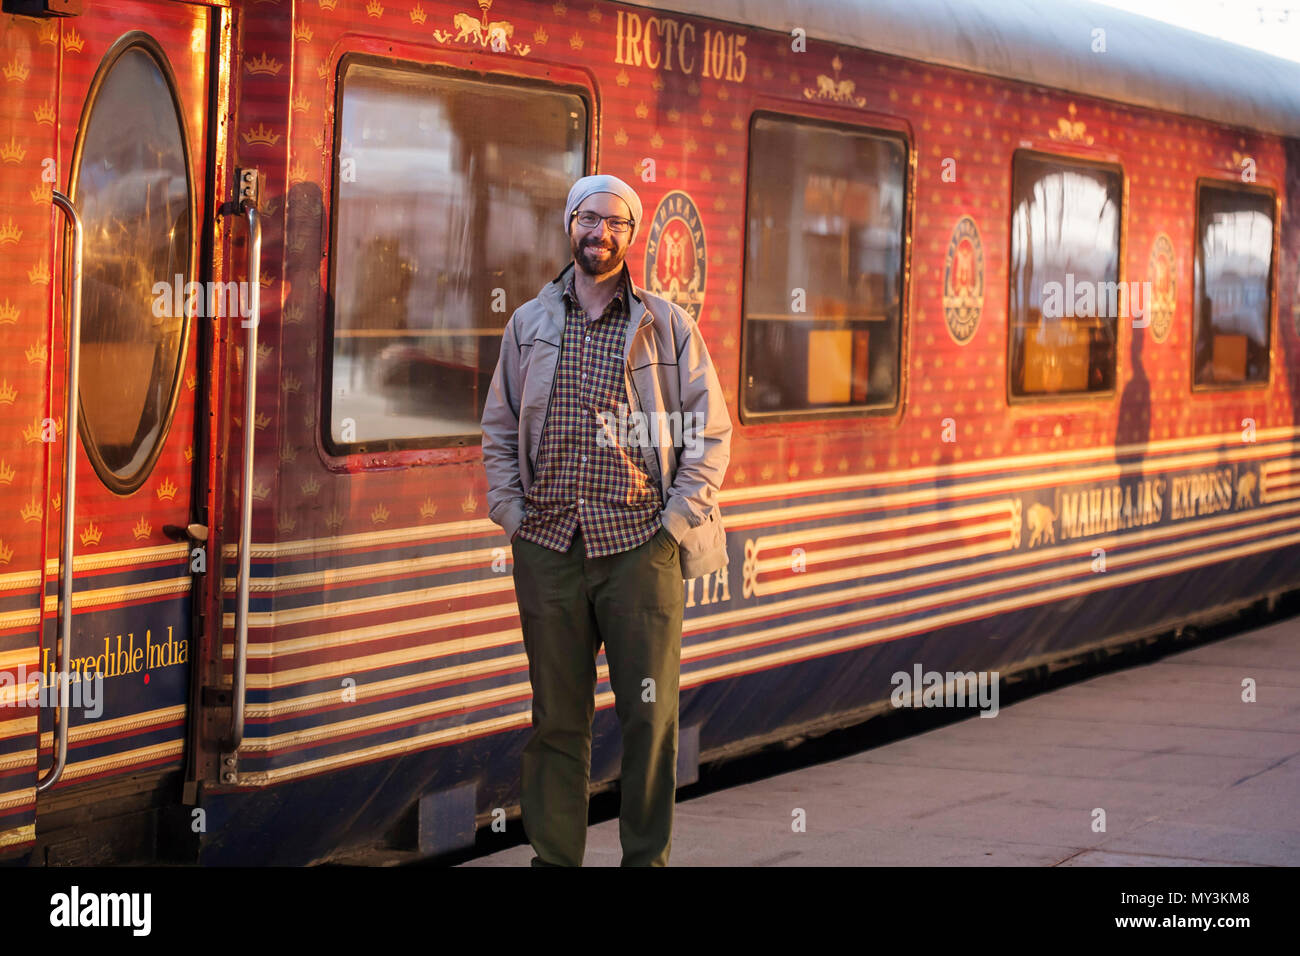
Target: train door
[133,135]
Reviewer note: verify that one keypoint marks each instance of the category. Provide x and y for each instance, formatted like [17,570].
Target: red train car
[1006,312]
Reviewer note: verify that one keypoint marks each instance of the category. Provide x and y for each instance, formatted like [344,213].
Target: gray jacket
[666,369]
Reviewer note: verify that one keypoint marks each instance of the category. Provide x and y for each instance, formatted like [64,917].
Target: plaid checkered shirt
[605,490]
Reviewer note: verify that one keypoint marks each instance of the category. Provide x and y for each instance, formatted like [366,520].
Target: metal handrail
[73,405]
[229,759]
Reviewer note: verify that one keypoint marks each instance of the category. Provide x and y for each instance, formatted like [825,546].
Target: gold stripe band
[1114,577]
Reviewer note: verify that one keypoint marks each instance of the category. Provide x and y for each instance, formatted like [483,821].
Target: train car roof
[1146,63]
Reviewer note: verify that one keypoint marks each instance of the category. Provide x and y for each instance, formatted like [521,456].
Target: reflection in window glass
[133,192]
[1064,296]
[1234,258]
[823,267]
[450,196]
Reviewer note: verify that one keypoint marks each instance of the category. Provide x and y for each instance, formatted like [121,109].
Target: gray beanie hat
[588,185]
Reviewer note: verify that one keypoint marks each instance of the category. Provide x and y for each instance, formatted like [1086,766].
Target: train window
[131,183]
[1232,284]
[448,200]
[823,268]
[1065,296]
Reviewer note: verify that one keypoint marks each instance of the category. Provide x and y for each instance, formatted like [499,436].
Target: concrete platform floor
[1187,773]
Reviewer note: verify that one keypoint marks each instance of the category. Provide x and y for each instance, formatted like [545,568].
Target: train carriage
[1004,305]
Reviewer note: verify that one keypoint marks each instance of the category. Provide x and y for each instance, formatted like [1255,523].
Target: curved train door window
[1065,295]
[131,183]
[1232,290]
[449,195]
[823,269]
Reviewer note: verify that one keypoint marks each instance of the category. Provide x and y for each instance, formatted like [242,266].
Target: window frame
[342,451]
[903,136]
[1233,185]
[153,48]
[1067,159]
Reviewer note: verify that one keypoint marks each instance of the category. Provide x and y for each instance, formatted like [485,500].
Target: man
[605,440]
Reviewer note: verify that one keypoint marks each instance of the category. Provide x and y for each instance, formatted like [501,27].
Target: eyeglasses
[590,220]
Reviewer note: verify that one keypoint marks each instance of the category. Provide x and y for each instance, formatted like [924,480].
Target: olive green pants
[568,605]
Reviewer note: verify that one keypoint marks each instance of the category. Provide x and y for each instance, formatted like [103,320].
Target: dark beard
[591,265]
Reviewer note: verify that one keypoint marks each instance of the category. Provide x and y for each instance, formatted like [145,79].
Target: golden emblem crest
[1071,130]
[963,281]
[495,35]
[1162,269]
[676,261]
[835,89]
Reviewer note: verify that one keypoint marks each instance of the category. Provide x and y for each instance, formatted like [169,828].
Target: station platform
[1187,773]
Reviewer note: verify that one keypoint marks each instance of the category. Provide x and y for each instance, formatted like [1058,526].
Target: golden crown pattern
[263,65]
[12,153]
[16,71]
